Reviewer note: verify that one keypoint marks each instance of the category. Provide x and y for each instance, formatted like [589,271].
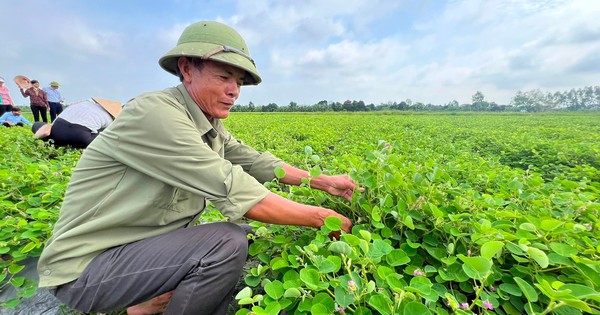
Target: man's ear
[185,68]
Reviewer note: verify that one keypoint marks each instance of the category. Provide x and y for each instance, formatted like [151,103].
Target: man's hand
[338,185]
[279,210]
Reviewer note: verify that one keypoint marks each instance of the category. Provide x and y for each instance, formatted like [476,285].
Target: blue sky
[377,51]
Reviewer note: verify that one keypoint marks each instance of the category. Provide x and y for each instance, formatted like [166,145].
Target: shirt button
[47,272]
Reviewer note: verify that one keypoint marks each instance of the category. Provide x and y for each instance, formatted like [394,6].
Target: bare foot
[156,305]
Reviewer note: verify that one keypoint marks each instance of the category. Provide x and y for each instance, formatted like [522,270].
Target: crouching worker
[79,123]
[14,118]
[127,237]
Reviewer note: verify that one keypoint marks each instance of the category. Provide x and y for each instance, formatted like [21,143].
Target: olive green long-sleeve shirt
[151,172]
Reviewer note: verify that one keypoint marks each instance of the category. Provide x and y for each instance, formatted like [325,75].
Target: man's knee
[237,236]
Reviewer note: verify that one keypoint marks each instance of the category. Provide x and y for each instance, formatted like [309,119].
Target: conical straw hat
[112,107]
[23,82]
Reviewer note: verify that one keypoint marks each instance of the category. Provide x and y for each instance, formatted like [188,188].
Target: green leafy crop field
[461,213]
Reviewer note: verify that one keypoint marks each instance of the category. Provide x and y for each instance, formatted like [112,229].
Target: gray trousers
[202,264]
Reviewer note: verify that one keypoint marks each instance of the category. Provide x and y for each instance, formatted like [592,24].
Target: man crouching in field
[126,237]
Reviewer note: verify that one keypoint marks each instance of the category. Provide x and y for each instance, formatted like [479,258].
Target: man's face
[214,87]
[54,87]
[16,113]
[36,85]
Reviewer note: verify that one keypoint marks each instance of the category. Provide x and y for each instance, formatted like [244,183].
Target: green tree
[478,97]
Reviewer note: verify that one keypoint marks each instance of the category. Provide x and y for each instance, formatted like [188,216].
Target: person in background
[38,101]
[79,124]
[55,100]
[127,233]
[14,118]
[6,102]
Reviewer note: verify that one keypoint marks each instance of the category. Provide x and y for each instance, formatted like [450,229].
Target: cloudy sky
[377,51]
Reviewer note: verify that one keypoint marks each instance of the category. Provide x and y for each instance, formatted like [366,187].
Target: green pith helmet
[54,83]
[214,41]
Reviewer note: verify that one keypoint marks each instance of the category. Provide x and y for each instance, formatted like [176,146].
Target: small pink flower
[417,273]
[341,310]
[589,227]
[493,288]
[469,252]
[351,285]
[464,305]
[488,305]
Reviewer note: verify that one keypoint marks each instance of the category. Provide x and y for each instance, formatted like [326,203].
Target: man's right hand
[279,210]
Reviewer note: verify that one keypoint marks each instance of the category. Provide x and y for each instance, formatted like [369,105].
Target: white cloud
[375,51]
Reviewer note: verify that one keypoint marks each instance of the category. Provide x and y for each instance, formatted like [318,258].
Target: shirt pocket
[178,200]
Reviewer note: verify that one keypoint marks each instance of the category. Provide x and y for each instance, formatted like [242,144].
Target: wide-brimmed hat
[112,107]
[213,41]
[54,83]
[23,82]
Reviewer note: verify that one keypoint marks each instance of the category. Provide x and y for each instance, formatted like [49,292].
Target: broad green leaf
[491,248]
[245,301]
[381,303]
[279,173]
[351,239]
[361,310]
[333,223]
[311,278]
[319,309]
[408,221]
[15,268]
[278,263]
[397,257]
[416,308]
[17,281]
[342,297]
[366,235]
[340,248]
[476,267]
[556,259]
[378,249]
[274,289]
[551,224]
[539,256]
[578,304]
[292,293]
[242,311]
[394,282]
[527,289]
[244,293]
[252,280]
[563,249]
[590,273]
[11,303]
[308,150]
[582,291]
[527,227]
[510,289]
[327,265]
[315,171]
[325,300]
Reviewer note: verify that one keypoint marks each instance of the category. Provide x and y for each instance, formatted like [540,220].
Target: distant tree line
[583,99]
